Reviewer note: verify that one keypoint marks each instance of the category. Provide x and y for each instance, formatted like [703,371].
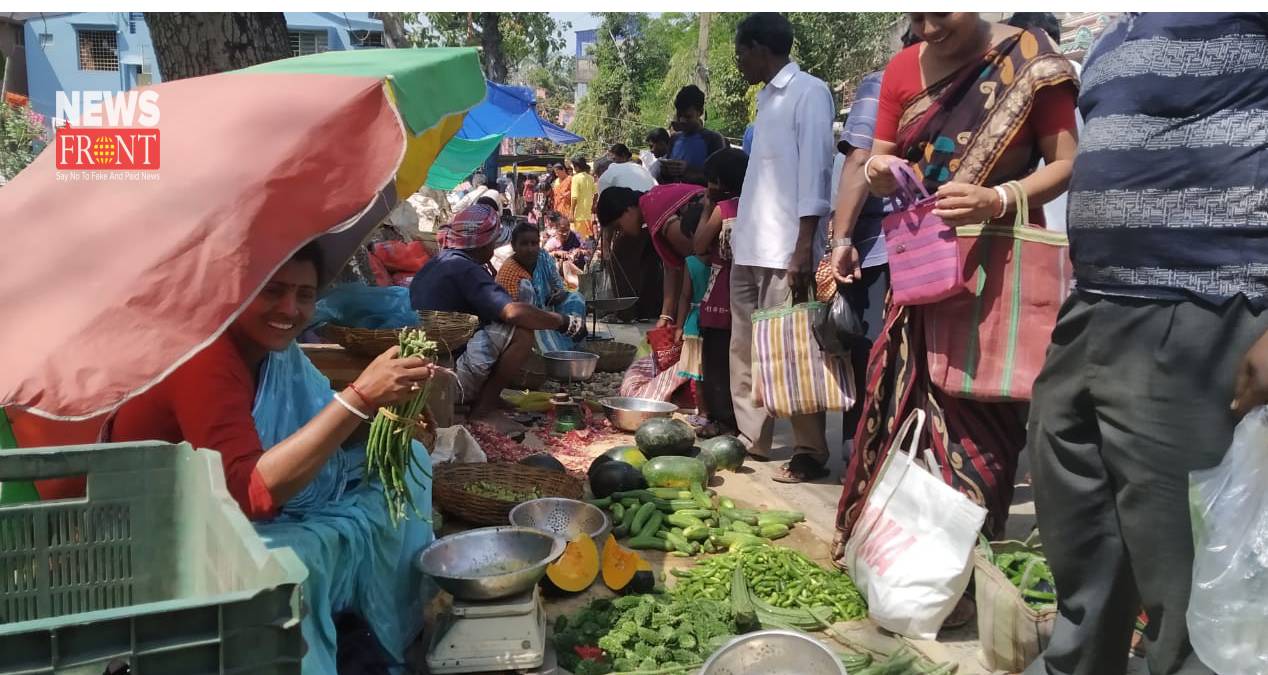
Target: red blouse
[1051,112]
[207,402]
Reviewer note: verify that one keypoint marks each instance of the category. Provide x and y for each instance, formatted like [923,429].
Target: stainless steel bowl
[627,413]
[773,652]
[490,562]
[570,366]
[567,518]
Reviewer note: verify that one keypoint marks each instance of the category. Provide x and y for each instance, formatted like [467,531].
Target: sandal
[964,612]
[801,468]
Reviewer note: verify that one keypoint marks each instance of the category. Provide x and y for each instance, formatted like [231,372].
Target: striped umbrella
[109,285]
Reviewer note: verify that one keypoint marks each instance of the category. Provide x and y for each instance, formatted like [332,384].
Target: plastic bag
[357,305]
[1229,504]
[838,328]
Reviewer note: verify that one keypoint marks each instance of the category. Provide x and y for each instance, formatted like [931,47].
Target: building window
[46,40]
[367,38]
[98,50]
[305,42]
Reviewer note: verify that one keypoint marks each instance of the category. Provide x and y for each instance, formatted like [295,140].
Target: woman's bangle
[668,318]
[1003,201]
[351,408]
[867,176]
[364,400]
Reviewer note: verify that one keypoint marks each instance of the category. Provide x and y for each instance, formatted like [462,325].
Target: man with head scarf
[458,280]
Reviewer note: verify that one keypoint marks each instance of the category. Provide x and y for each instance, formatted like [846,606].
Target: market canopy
[507,112]
[121,281]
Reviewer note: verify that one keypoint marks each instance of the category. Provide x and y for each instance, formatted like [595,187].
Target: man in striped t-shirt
[1162,347]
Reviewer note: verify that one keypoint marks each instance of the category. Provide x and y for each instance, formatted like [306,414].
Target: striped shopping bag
[791,374]
[989,344]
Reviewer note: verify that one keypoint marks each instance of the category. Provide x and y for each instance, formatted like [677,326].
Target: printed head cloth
[473,227]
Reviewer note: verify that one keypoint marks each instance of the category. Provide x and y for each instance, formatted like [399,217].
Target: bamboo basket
[451,479]
[451,329]
[614,357]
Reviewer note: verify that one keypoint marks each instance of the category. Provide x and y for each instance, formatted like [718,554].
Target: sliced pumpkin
[624,570]
[577,568]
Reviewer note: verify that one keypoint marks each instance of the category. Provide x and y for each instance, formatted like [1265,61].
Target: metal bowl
[570,366]
[773,652]
[567,518]
[490,562]
[627,413]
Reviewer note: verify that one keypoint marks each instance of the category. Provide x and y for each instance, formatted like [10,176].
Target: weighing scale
[493,635]
[567,412]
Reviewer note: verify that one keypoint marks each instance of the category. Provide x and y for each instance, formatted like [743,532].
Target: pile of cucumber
[692,521]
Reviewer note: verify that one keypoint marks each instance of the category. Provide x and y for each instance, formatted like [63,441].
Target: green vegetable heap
[484,488]
[690,521]
[779,577]
[642,633]
[389,452]
[1029,572]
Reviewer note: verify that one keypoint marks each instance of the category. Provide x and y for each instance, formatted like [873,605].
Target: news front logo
[101,135]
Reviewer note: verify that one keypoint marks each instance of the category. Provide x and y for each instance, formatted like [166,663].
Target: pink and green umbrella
[108,286]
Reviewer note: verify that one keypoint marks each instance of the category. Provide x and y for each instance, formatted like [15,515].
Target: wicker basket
[614,357]
[450,480]
[450,329]
[368,342]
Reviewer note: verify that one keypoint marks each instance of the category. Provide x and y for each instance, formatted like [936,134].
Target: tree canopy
[642,62]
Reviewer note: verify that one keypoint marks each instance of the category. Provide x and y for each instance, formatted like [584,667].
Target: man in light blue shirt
[786,194]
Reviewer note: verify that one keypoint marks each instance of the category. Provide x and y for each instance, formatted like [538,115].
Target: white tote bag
[911,551]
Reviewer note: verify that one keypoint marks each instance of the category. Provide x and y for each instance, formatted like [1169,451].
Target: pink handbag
[924,261]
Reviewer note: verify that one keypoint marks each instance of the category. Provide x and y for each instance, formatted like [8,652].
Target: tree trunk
[491,46]
[702,54]
[393,30]
[203,43]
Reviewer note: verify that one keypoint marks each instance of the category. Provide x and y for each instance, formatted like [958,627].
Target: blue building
[112,51]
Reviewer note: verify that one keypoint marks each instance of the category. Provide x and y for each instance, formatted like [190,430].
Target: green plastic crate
[156,567]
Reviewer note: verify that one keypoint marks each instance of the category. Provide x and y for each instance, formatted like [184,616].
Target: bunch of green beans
[779,576]
[389,453]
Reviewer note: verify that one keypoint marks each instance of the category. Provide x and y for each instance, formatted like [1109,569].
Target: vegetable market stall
[703,581]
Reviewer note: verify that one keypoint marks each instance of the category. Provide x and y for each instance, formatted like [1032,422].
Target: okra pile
[1029,572]
[779,577]
[389,452]
[692,521]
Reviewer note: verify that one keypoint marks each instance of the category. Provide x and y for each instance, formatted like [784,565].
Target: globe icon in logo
[103,150]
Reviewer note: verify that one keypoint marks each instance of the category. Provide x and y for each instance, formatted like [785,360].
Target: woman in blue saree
[531,275]
[294,458]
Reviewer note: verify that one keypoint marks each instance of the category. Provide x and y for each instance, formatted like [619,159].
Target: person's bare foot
[498,420]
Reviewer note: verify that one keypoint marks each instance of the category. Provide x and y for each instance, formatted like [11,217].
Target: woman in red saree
[972,106]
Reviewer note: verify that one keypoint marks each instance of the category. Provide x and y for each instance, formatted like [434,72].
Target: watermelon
[662,436]
[710,462]
[612,476]
[544,461]
[630,454]
[727,451]
[675,472]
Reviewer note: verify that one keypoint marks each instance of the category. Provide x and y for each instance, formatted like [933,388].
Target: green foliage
[841,47]
[627,64]
[637,80]
[525,35]
[22,136]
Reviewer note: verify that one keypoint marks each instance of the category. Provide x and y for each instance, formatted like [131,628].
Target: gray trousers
[754,288]
[1133,396]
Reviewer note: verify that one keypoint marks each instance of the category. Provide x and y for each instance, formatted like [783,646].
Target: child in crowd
[695,284]
[565,247]
[724,171]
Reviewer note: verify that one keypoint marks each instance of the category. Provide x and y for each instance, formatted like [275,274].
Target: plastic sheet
[357,305]
[1228,622]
